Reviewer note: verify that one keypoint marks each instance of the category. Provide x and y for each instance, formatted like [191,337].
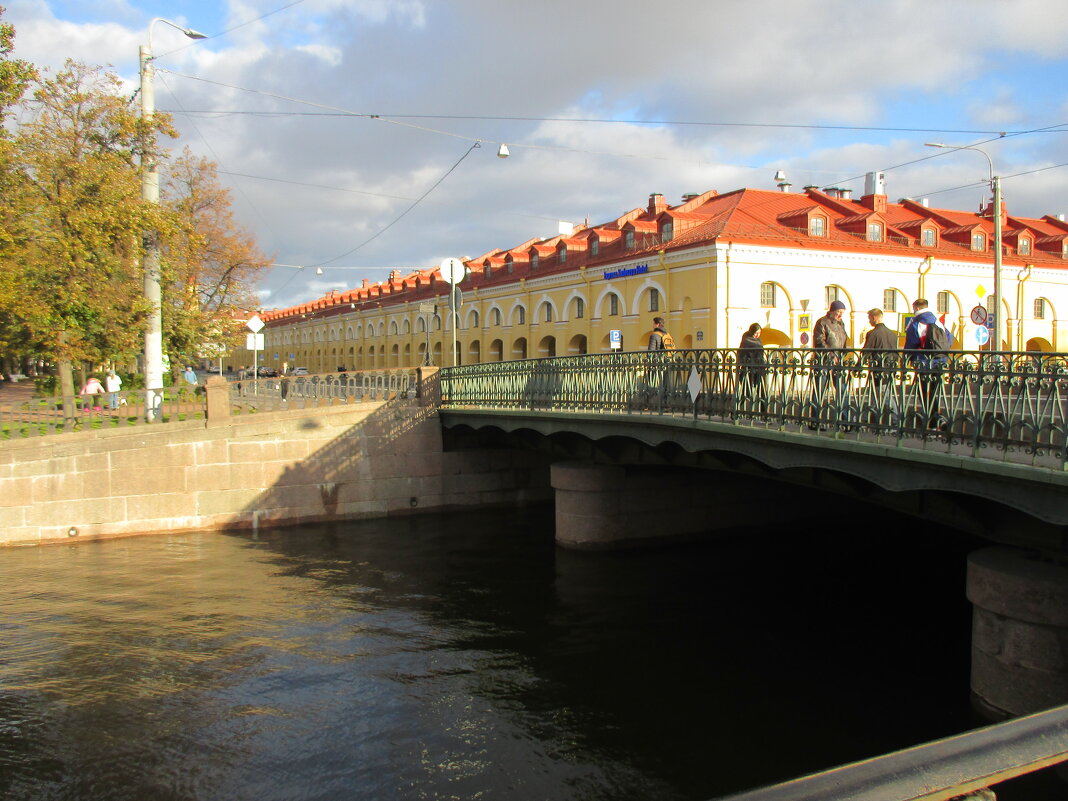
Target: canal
[465,657]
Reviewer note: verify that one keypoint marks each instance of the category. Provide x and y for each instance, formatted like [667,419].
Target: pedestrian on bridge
[829,335]
[753,368]
[929,361]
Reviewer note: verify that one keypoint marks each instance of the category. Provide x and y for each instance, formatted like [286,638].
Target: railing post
[218,400]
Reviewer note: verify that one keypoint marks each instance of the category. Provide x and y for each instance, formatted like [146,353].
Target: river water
[465,657]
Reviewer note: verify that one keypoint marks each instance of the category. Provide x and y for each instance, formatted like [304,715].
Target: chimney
[845,194]
[366,282]
[831,191]
[657,203]
[875,192]
[394,276]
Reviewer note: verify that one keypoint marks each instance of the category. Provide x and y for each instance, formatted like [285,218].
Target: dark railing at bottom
[963,766]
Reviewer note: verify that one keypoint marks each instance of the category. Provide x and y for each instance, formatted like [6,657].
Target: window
[508,265]
[580,308]
[628,239]
[667,232]
[595,246]
[767,295]
[978,241]
[495,317]
[942,302]
[832,293]
[613,305]
[875,232]
[817,226]
[654,300]
[927,237]
[474,319]
[1040,308]
[548,312]
[534,261]
[487,270]
[561,254]
[521,316]
[889,300]
[1025,246]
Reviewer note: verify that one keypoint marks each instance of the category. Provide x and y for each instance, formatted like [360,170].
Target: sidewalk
[15,392]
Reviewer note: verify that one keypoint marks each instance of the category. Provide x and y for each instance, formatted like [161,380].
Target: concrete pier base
[1019,632]
[602,507]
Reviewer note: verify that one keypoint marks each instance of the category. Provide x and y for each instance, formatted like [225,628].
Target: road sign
[453,270]
[255,324]
[426,308]
[615,338]
[982,335]
[804,338]
[990,320]
[979,315]
[253,341]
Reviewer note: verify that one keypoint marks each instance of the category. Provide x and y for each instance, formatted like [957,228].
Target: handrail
[937,771]
[991,405]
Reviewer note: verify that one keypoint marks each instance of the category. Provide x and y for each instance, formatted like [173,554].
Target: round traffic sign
[453,270]
[804,337]
[979,315]
[982,335]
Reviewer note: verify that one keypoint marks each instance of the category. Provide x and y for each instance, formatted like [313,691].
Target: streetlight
[150,194]
[995,186]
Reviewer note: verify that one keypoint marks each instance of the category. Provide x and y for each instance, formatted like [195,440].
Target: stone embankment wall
[338,462]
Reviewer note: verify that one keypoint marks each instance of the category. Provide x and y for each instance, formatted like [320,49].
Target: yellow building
[711,266]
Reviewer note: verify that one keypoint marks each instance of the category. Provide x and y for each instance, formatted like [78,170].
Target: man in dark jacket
[656,339]
[829,334]
[881,357]
[928,367]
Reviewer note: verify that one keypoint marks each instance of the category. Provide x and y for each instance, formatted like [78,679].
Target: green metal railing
[1010,406]
[299,392]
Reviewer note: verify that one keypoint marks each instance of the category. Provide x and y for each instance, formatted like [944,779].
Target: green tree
[80,219]
[15,77]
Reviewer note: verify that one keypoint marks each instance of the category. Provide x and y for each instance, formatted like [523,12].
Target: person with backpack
[927,346]
[660,339]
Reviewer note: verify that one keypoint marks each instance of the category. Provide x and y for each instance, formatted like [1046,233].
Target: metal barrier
[299,392]
[959,767]
[993,405]
[46,416]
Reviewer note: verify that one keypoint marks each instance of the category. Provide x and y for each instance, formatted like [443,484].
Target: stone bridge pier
[607,506]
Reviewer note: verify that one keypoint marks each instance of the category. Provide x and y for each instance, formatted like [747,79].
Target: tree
[15,76]
[78,218]
[210,263]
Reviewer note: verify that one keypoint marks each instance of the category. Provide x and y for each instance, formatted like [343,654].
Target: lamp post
[995,187]
[150,194]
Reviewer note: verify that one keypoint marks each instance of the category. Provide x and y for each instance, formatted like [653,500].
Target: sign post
[615,339]
[254,342]
[454,271]
[428,310]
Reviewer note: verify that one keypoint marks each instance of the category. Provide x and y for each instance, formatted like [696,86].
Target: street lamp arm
[192,34]
[989,162]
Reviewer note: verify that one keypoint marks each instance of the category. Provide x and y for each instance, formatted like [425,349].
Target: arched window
[580,308]
[521,316]
[495,316]
[547,312]
[613,305]
[654,300]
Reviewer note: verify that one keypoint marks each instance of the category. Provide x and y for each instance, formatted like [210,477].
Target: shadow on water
[464,656]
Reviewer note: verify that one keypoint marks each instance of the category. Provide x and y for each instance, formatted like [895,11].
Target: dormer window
[667,231]
[487,270]
[817,226]
[1025,246]
[595,246]
[508,264]
[978,241]
[628,239]
[561,254]
[928,238]
[875,232]
[534,261]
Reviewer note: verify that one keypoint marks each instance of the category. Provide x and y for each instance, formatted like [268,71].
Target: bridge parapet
[1004,406]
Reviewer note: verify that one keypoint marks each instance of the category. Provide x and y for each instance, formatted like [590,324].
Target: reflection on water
[463,657]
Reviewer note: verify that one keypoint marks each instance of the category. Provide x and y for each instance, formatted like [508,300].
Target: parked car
[267,372]
[299,371]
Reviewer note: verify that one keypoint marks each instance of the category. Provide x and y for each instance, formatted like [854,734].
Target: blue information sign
[982,335]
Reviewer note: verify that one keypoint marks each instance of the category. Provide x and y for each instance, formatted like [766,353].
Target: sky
[346,130]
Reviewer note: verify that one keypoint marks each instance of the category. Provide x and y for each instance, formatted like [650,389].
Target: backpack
[668,341]
[936,340]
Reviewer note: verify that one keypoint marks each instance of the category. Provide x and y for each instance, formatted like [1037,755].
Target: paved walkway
[12,392]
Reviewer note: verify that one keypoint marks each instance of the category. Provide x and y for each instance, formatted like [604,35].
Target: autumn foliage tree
[72,226]
[210,262]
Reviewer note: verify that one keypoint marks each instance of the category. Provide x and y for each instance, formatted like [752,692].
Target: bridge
[973,443]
